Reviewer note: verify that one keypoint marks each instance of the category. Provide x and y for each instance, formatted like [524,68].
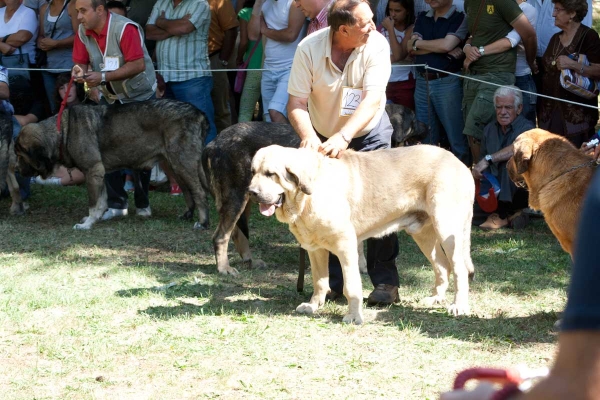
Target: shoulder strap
[252,51]
[61,11]
[479,15]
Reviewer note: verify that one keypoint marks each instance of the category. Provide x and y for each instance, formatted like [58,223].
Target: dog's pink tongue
[267,209]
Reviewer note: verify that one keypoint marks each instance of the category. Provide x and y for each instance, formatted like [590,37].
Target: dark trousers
[382,252]
[117,196]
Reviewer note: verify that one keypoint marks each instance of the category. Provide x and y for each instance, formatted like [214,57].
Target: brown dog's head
[36,149]
[280,172]
[525,147]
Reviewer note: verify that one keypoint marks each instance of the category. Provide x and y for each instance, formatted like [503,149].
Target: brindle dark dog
[100,139]
[227,160]
[8,161]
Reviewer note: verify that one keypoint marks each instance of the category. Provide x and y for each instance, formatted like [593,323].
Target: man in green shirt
[488,21]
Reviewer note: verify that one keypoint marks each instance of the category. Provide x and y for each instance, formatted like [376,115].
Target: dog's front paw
[17,209]
[353,318]
[459,309]
[82,227]
[227,270]
[203,227]
[306,308]
[433,300]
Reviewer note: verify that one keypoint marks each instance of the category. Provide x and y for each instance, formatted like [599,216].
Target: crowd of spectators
[469,47]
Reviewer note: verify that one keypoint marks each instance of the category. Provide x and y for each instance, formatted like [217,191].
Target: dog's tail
[5,138]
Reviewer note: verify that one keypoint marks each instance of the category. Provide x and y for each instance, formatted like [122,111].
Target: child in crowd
[397,28]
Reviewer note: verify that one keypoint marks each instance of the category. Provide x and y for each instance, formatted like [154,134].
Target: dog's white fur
[333,204]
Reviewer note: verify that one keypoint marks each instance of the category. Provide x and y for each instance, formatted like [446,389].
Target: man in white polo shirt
[337,101]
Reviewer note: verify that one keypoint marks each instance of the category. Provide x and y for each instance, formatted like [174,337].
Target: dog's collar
[591,163]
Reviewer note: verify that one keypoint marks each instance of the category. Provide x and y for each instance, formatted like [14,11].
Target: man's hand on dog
[334,146]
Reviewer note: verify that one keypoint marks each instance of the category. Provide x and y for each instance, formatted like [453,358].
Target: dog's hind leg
[187,175]
[96,196]
[229,214]
[241,236]
[17,207]
[452,236]
[429,244]
[319,261]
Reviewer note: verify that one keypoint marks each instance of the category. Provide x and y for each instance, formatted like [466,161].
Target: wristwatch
[481,50]
[488,157]
[103,80]
[415,48]
[224,62]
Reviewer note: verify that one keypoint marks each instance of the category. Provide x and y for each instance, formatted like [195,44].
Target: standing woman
[251,91]
[574,122]
[397,27]
[58,24]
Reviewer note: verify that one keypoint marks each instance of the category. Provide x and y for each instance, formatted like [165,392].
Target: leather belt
[430,76]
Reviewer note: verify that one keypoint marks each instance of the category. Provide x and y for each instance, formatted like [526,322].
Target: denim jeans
[196,91]
[443,112]
[49,79]
[526,83]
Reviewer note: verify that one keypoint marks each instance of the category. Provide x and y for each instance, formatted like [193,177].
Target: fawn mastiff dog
[100,139]
[333,204]
[557,176]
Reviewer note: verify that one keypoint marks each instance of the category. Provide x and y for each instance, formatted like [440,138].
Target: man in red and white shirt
[316,11]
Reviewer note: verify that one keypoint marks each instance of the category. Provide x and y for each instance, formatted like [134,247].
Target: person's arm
[47,43]
[19,38]
[243,46]
[296,21]
[444,45]
[399,49]
[4,91]
[298,115]
[500,156]
[529,38]
[255,20]
[175,27]
[228,44]
[364,113]
[590,71]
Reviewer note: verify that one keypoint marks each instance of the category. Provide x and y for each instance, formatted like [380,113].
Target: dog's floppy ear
[302,170]
[523,153]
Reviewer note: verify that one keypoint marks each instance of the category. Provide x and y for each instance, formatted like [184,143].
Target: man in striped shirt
[180,28]
[316,12]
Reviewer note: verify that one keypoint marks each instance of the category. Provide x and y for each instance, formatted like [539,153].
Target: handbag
[578,84]
[41,56]
[240,76]
[20,61]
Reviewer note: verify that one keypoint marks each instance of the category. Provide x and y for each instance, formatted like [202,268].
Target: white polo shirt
[315,77]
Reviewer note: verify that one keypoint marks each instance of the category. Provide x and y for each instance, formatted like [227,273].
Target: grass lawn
[135,309]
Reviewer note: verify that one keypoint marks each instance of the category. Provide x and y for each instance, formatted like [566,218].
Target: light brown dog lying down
[334,204]
[557,176]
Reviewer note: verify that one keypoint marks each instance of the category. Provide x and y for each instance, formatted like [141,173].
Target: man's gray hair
[507,91]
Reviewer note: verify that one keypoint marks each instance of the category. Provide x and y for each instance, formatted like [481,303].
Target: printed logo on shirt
[490,9]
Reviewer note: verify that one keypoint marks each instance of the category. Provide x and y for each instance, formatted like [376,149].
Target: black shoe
[332,295]
[383,294]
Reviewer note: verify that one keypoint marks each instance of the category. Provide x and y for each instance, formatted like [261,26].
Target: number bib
[351,99]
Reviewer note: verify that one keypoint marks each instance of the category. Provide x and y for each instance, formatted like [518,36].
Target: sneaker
[383,294]
[494,222]
[129,186]
[518,220]
[175,190]
[533,213]
[143,212]
[113,213]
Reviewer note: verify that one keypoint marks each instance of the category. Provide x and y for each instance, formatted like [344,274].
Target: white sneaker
[113,213]
[143,212]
